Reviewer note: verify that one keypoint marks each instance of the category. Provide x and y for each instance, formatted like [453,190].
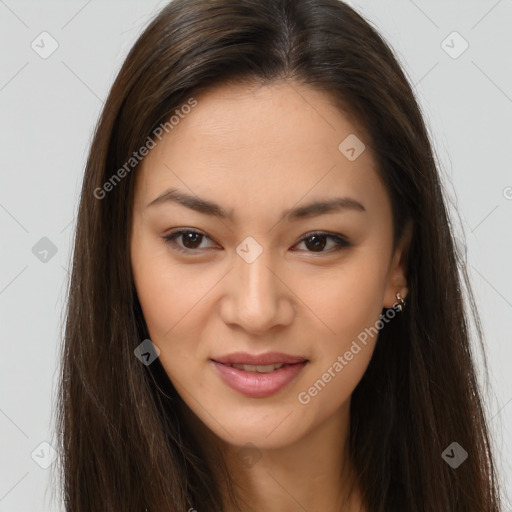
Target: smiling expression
[253,233]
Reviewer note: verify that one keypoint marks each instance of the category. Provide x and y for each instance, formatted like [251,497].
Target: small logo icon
[44,250]
[351,147]
[454,455]
[454,45]
[249,455]
[147,352]
[44,455]
[44,45]
[249,250]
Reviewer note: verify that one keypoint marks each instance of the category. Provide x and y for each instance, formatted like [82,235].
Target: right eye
[191,240]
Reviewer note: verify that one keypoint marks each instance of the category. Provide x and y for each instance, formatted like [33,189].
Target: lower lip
[258,385]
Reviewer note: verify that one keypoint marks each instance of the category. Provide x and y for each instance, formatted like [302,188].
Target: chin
[270,432]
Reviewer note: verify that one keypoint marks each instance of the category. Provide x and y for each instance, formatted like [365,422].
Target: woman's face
[247,279]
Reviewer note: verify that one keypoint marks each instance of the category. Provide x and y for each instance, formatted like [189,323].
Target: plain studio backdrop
[58,61]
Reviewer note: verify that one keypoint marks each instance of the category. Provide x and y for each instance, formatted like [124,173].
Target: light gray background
[49,108]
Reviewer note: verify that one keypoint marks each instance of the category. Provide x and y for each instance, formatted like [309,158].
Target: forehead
[250,118]
[273,144]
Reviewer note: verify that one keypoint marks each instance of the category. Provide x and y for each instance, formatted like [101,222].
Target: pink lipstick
[258,376]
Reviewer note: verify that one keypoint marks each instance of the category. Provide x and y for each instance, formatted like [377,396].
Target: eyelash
[339,239]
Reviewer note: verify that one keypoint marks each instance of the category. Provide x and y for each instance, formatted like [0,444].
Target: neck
[313,473]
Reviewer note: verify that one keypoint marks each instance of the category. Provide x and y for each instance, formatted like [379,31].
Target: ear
[397,275]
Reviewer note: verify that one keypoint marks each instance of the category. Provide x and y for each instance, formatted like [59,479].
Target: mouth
[258,380]
[265,359]
[267,368]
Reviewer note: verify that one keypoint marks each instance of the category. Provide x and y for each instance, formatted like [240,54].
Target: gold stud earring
[401,303]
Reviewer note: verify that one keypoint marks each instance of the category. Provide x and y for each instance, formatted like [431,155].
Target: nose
[259,298]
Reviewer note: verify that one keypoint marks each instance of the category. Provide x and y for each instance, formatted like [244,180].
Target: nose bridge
[258,294]
[257,285]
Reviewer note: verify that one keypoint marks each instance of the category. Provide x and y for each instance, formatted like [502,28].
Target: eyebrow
[208,207]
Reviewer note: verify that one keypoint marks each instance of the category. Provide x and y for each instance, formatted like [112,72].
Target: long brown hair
[122,439]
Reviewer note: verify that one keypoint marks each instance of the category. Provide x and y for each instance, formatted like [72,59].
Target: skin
[257,151]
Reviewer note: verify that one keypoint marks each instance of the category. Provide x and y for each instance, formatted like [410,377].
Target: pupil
[317,245]
[188,237]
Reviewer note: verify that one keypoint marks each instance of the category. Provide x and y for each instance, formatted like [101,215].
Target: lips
[258,376]
[260,359]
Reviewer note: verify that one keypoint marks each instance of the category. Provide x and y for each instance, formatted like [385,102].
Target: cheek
[349,305]
[165,291]
[153,292]
[171,302]
[346,300]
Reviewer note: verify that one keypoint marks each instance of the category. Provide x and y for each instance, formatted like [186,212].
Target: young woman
[265,311]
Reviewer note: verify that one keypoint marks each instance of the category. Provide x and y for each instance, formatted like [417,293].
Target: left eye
[317,241]
[192,241]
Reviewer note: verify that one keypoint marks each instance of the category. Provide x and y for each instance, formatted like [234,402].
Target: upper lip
[259,359]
